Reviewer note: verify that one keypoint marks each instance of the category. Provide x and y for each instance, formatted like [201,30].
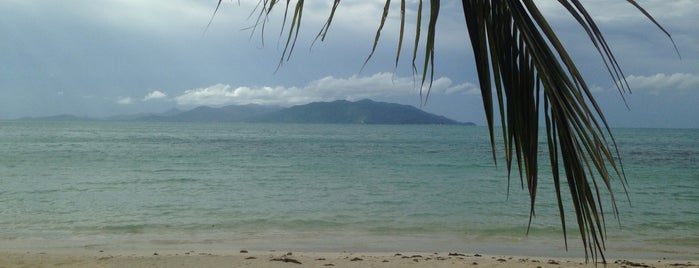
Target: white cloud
[156,94]
[655,84]
[325,89]
[124,100]
[466,88]
[596,88]
[474,91]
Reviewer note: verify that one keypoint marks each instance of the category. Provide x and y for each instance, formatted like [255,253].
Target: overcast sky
[99,58]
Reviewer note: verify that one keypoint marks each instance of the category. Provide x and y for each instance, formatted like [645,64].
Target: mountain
[360,112]
[337,112]
[63,117]
[230,113]
[140,116]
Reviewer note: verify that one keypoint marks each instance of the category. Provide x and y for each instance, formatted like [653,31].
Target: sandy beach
[243,258]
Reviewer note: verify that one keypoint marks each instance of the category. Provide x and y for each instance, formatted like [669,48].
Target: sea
[104,185]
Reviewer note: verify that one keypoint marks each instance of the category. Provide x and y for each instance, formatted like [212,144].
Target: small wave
[130,228]
[165,180]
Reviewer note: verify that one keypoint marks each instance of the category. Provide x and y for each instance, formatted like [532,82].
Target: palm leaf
[519,57]
[324,30]
[384,15]
[401,31]
[429,45]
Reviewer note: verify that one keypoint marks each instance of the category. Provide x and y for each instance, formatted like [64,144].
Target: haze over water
[123,185]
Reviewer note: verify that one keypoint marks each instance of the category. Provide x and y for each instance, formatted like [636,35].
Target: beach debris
[477,255]
[501,260]
[320,259]
[416,260]
[682,264]
[250,258]
[416,256]
[398,254]
[474,263]
[384,261]
[459,254]
[688,264]
[155,254]
[328,264]
[243,251]
[356,259]
[286,259]
[553,262]
[632,264]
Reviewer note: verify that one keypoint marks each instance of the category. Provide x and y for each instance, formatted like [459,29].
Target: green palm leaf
[519,57]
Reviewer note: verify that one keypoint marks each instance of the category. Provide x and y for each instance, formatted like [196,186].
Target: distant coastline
[336,112]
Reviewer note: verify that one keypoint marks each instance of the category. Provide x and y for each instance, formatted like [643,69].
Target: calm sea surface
[124,185]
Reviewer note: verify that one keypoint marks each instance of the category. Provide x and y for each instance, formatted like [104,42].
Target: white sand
[284,259]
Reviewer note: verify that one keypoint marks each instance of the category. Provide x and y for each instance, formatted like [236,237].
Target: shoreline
[245,258]
[333,242]
[323,250]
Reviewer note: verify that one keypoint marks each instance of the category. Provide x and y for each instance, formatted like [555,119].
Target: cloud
[596,88]
[124,100]
[658,83]
[466,88]
[325,89]
[154,95]
[474,91]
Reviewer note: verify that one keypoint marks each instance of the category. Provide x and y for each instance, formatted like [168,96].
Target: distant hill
[63,117]
[337,112]
[360,112]
[139,116]
[230,113]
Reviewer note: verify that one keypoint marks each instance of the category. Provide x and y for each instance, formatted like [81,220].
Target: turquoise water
[126,185]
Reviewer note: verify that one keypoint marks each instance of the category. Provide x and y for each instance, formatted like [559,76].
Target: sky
[109,57]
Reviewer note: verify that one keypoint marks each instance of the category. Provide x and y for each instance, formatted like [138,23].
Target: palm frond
[293,31]
[429,45]
[520,58]
[324,30]
[401,31]
[384,15]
